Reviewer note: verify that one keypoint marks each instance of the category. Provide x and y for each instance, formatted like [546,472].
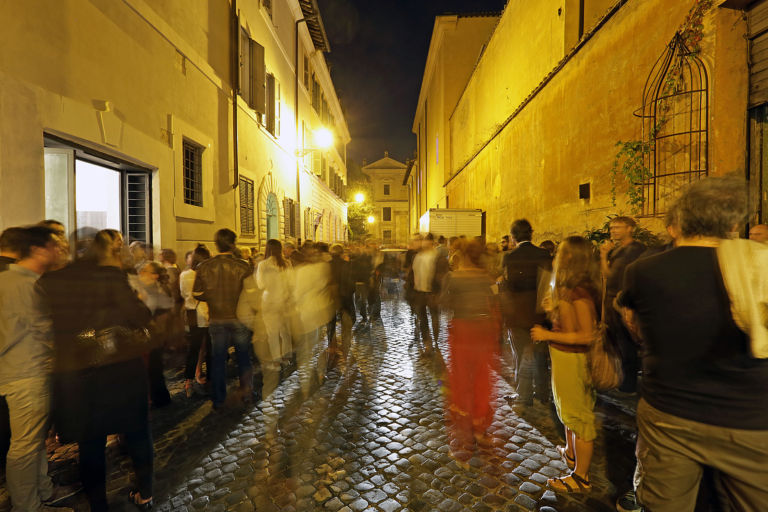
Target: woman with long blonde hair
[573,310]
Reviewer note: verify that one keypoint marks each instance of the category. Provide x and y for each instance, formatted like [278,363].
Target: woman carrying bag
[99,382]
[572,308]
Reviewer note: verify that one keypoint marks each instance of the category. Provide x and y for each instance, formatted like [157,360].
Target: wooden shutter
[259,73]
[246,84]
[270,105]
[757,20]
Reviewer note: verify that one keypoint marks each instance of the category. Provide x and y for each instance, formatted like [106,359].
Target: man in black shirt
[523,269]
[703,397]
[614,258]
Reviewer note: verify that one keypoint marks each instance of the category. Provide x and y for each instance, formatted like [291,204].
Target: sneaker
[628,503]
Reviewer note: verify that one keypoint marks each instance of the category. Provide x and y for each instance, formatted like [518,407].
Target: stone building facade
[390,200]
[169,120]
[534,130]
[456,45]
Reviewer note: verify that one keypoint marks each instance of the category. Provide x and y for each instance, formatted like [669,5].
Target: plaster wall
[566,134]
[525,46]
[456,46]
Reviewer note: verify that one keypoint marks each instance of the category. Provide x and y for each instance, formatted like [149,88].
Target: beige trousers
[671,452]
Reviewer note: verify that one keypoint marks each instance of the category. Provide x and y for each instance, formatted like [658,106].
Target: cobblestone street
[372,439]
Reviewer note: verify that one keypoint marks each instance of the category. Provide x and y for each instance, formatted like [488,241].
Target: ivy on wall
[630,163]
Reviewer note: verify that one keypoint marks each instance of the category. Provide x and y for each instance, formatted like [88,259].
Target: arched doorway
[272,220]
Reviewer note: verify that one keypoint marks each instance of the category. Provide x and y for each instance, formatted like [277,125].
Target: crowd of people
[84,328]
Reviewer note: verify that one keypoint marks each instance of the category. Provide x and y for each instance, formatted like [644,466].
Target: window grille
[387,235]
[193,173]
[247,224]
[675,115]
[137,216]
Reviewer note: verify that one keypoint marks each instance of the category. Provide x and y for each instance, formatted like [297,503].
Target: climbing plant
[630,165]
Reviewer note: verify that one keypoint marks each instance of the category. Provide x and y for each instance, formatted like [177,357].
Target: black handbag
[112,344]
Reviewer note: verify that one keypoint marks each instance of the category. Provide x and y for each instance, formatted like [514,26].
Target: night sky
[378,52]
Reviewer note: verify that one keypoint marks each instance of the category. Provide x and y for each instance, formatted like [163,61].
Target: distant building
[390,200]
[163,121]
[533,129]
[457,43]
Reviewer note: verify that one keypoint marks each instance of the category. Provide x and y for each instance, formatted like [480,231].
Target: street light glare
[359,197]
[371,219]
[323,138]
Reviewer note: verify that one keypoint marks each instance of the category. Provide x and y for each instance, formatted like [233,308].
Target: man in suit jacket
[523,269]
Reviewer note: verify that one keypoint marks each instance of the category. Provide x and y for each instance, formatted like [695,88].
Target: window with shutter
[247,221]
[270,105]
[286,217]
[245,67]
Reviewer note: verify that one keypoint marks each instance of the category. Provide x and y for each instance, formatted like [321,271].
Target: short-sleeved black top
[696,362]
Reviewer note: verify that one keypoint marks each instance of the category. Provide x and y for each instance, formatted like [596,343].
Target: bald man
[759,233]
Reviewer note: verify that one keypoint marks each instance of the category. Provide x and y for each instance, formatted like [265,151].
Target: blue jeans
[223,335]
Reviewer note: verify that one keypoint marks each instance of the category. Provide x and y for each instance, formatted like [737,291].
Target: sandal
[563,484]
[134,497]
[569,461]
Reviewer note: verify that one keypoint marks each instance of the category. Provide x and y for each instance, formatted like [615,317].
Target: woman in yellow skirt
[574,315]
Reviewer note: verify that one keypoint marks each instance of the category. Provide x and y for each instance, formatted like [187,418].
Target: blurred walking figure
[26,357]
[343,294]
[428,270]
[573,309]
[524,267]
[409,292]
[154,291]
[197,321]
[219,282]
[705,356]
[473,340]
[100,382]
[273,277]
[314,309]
[361,267]
[615,255]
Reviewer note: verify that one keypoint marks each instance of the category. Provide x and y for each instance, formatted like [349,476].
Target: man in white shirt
[428,268]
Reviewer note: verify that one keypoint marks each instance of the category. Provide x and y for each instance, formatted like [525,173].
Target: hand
[605,248]
[538,333]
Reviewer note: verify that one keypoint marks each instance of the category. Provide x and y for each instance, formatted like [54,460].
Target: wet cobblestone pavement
[373,439]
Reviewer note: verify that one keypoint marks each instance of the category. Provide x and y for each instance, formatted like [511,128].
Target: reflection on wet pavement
[371,438]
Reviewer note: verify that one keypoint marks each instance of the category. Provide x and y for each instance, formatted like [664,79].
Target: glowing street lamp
[323,138]
[371,219]
[359,197]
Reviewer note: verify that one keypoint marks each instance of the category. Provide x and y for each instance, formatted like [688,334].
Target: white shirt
[424,270]
[186,284]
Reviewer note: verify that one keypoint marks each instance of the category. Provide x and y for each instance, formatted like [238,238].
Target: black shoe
[628,503]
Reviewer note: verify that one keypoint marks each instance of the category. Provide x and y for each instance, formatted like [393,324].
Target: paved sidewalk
[372,439]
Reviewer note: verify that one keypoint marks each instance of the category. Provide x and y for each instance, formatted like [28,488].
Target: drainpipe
[235,89]
[296,115]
